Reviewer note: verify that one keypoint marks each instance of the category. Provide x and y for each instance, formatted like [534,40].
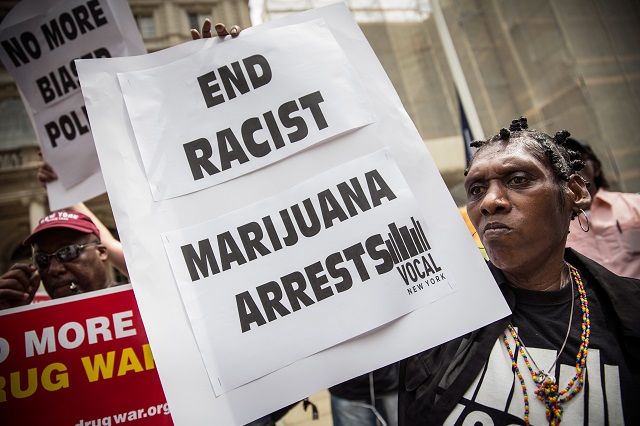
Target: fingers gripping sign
[221,30]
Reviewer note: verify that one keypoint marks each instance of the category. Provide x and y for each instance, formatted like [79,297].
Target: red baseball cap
[64,219]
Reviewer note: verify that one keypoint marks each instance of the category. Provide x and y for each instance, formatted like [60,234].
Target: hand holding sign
[221,30]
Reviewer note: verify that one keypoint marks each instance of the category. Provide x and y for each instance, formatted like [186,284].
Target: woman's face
[514,202]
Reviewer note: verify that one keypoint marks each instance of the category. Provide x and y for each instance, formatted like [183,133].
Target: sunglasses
[64,254]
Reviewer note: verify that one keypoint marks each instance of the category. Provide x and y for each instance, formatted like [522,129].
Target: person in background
[568,352]
[45,175]
[367,400]
[68,257]
[472,231]
[608,230]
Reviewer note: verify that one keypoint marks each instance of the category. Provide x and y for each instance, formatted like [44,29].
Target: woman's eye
[475,190]
[518,180]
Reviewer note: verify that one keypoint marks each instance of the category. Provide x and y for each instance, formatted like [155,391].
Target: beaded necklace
[547,391]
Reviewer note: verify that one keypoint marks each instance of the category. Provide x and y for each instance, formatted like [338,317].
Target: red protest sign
[79,362]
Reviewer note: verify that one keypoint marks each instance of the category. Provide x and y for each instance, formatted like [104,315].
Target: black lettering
[249,127]
[372,244]
[251,237]
[354,253]
[292,235]
[45,89]
[97,13]
[200,263]
[229,251]
[403,273]
[330,208]
[270,295]
[427,267]
[437,268]
[314,226]
[251,64]
[199,163]
[53,132]
[412,271]
[272,233]
[19,52]
[81,16]
[274,130]
[312,102]
[67,80]
[102,52]
[248,311]
[378,188]
[296,294]
[230,149]
[284,112]
[317,279]
[331,263]
[208,90]
[68,26]
[82,129]
[52,34]
[68,130]
[353,193]
[231,79]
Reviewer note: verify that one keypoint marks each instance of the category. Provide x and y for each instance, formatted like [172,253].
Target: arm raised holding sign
[45,175]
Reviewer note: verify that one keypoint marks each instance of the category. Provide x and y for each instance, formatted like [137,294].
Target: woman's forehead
[505,155]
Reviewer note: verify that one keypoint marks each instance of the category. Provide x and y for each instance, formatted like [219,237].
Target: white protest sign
[335,256]
[39,42]
[242,119]
[142,221]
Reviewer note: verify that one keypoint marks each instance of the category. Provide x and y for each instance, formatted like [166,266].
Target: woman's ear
[578,193]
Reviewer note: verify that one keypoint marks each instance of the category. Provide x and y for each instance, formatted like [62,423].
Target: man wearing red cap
[68,256]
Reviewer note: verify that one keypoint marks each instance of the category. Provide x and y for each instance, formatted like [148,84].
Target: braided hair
[564,162]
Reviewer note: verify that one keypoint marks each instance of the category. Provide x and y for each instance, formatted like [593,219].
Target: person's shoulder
[598,271]
[615,198]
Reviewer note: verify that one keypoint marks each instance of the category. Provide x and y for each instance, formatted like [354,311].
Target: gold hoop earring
[580,222]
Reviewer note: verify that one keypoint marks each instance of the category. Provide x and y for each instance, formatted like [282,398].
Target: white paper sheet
[142,221]
[236,108]
[335,256]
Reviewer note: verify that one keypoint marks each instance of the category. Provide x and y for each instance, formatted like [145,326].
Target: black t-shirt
[541,320]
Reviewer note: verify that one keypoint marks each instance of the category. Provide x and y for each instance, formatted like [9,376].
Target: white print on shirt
[496,397]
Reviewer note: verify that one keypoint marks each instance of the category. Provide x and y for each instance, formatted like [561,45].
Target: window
[146,25]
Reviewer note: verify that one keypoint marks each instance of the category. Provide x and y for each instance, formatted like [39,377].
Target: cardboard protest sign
[222,212]
[246,120]
[79,361]
[39,42]
[348,242]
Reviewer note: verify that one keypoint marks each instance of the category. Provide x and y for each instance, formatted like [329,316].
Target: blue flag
[467,136]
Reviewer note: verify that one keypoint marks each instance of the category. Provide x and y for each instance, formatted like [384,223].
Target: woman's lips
[495,230]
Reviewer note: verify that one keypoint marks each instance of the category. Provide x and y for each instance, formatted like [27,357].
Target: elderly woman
[570,350]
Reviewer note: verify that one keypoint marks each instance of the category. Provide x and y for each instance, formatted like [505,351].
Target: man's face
[513,200]
[83,274]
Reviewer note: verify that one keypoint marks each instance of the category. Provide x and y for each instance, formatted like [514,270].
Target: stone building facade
[571,64]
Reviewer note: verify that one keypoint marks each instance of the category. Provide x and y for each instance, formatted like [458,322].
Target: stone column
[37,210]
